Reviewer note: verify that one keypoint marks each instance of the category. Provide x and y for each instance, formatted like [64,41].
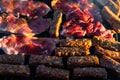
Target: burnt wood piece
[82,61]
[52,73]
[70,51]
[90,72]
[52,61]
[11,59]
[14,70]
[110,64]
[113,54]
[106,43]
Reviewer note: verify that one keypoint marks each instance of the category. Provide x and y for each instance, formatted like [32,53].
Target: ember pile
[59,39]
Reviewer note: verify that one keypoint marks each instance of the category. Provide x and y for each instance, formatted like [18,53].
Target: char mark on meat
[83,19]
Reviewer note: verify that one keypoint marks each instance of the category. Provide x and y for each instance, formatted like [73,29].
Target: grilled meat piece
[52,73]
[71,51]
[70,6]
[111,64]
[52,61]
[83,43]
[15,70]
[35,23]
[19,44]
[114,7]
[55,25]
[39,25]
[113,54]
[25,7]
[82,61]
[111,18]
[11,59]
[13,24]
[90,72]
[106,43]
[83,18]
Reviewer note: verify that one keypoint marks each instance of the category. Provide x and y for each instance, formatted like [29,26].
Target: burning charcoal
[52,73]
[111,64]
[113,54]
[53,61]
[70,51]
[55,26]
[82,61]
[11,59]
[106,43]
[15,70]
[90,72]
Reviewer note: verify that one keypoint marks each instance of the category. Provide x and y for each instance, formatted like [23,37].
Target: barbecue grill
[37,64]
